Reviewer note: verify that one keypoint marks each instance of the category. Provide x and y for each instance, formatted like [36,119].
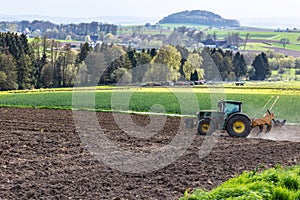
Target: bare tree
[246,40]
[284,42]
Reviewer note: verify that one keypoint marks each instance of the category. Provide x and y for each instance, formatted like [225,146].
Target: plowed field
[42,157]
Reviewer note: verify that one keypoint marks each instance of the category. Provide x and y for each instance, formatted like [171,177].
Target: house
[214,43]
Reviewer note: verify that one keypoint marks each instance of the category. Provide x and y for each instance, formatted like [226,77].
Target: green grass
[272,184]
[291,36]
[258,34]
[256,46]
[242,33]
[253,96]
[288,75]
[288,46]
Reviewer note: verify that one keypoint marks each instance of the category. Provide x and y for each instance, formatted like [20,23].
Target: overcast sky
[235,9]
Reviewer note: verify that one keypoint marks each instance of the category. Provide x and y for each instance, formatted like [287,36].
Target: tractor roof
[231,101]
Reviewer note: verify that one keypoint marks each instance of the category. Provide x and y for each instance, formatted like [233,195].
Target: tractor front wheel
[205,126]
[239,126]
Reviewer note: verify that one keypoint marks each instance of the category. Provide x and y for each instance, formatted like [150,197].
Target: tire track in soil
[41,156]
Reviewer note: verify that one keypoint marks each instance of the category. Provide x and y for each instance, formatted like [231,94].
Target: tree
[143,60]
[108,38]
[226,67]
[39,57]
[239,65]
[169,56]
[214,36]
[121,76]
[84,50]
[284,42]
[287,63]
[25,72]
[70,75]
[47,75]
[81,77]
[297,63]
[95,65]
[152,52]
[184,52]
[231,76]
[18,47]
[261,66]
[158,73]
[233,39]
[114,57]
[222,62]
[193,63]
[8,73]
[132,57]
[69,59]
[211,71]
[274,64]
[246,40]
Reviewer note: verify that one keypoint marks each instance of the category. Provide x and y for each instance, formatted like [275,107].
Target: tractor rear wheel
[239,126]
[206,126]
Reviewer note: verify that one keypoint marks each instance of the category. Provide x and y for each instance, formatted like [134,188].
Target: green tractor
[229,117]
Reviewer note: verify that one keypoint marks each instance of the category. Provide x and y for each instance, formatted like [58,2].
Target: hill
[199,17]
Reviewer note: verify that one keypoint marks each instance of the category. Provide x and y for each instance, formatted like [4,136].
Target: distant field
[262,36]
[221,34]
[295,47]
[256,46]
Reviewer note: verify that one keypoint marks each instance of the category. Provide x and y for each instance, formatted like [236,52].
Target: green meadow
[256,98]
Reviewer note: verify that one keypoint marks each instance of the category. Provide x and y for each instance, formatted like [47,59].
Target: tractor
[230,117]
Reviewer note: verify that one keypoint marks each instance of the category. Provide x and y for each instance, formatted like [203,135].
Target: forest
[39,28]
[44,62]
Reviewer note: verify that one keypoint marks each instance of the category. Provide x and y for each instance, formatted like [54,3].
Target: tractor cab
[229,107]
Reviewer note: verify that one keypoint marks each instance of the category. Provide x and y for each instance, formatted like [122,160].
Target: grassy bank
[272,184]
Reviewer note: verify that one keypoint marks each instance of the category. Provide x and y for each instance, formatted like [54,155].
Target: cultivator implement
[268,120]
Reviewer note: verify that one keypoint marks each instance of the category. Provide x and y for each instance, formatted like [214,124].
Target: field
[45,155]
[258,40]
[256,97]
[42,156]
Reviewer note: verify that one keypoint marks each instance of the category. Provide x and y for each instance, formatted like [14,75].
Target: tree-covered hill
[199,17]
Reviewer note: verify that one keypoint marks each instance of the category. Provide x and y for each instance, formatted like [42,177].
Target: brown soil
[42,157]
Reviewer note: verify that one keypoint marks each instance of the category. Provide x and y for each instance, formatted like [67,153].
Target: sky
[155,9]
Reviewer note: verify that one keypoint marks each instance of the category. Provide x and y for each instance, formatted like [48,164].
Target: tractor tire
[205,126]
[239,126]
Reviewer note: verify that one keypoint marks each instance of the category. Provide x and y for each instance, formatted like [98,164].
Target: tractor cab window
[231,108]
